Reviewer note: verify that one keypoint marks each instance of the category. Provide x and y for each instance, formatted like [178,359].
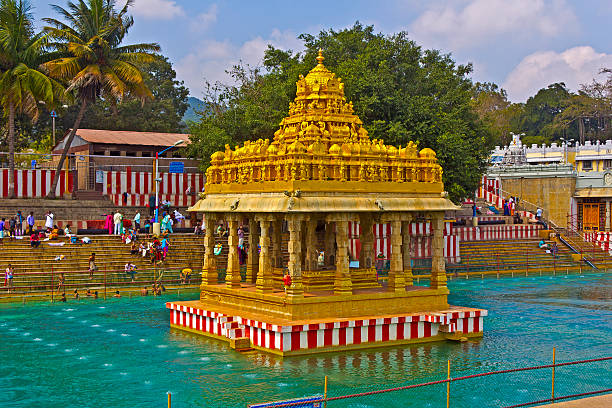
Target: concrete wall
[553,194]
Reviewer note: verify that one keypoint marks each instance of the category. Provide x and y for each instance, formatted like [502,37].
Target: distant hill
[195,104]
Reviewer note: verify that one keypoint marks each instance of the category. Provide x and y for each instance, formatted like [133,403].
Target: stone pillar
[329,243]
[438,267]
[295,256]
[397,283]
[276,243]
[265,282]
[253,255]
[232,276]
[311,245]
[366,256]
[406,253]
[209,267]
[342,282]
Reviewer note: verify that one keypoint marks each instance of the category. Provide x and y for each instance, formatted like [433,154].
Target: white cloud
[574,66]
[210,59]
[461,24]
[204,20]
[157,9]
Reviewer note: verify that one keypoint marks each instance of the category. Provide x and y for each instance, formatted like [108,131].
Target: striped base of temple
[375,331]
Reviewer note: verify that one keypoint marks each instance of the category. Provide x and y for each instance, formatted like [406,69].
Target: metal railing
[556,371]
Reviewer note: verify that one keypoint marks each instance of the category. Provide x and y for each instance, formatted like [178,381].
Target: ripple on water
[161,346]
[107,364]
[95,325]
[143,340]
[71,317]
[184,352]
[37,339]
[281,384]
[204,358]
[125,335]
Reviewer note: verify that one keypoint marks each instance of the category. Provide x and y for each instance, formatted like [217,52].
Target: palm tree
[22,84]
[94,64]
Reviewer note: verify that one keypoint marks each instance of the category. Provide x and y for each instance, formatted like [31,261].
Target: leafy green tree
[495,111]
[540,111]
[401,92]
[22,84]
[590,110]
[94,62]
[162,114]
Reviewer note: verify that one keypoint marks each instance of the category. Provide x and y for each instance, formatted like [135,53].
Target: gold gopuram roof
[321,159]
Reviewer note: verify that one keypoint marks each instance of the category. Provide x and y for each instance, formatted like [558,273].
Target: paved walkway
[601,401]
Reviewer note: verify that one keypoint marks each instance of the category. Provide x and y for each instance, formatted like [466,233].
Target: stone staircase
[37,270]
[514,256]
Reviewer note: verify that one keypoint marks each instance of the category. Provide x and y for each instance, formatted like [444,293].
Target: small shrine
[297,195]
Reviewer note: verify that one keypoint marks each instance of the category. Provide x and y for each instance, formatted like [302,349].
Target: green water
[121,353]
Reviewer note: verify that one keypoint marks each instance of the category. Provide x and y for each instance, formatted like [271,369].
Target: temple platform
[321,322]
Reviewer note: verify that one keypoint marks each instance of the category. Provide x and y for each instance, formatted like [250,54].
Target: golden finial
[320,57]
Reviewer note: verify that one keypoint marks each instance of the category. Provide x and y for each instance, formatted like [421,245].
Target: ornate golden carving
[322,139]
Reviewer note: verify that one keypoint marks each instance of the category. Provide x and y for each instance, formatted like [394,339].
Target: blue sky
[523,45]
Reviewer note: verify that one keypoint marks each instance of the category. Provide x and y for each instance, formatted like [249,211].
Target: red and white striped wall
[601,239]
[35,183]
[311,337]
[497,232]
[139,182]
[420,233]
[99,224]
[142,200]
[489,185]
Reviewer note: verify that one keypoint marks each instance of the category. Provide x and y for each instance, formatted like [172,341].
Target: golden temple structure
[319,174]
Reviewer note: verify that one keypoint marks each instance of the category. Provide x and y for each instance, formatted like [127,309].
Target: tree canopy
[401,92]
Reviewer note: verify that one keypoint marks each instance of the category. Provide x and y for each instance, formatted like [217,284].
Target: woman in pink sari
[108,224]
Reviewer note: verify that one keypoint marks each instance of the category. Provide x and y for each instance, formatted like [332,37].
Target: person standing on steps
[30,220]
[19,228]
[92,265]
[49,221]
[137,221]
[118,220]
[8,278]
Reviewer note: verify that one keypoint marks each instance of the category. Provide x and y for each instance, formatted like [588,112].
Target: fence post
[553,374]
[498,263]
[52,284]
[527,260]
[325,394]
[448,385]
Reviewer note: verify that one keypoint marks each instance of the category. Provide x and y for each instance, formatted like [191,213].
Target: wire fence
[507,388]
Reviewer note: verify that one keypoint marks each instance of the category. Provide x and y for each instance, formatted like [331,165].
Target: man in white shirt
[49,220]
[118,220]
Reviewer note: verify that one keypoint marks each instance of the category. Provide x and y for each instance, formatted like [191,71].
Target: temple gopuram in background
[298,194]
